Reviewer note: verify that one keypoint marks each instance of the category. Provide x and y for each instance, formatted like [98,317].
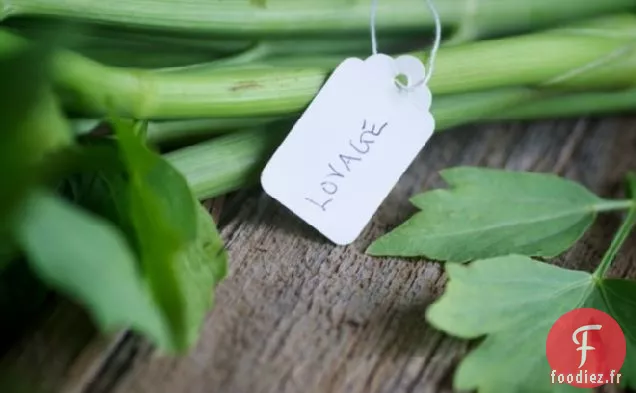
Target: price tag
[352,144]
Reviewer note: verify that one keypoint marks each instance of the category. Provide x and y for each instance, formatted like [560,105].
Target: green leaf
[8,251]
[617,297]
[488,213]
[514,301]
[87,259]
[200,268]
[180,251]
[163,216]
[154,179]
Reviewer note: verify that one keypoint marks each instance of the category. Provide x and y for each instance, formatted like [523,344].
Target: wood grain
[298,314]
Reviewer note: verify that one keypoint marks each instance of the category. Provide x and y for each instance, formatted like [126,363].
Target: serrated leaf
[87,259]
[488,213]
[514,301]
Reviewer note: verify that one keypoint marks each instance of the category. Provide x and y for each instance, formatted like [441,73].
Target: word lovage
[337,172]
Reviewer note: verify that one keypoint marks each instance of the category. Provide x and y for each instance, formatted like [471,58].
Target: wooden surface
[298,314]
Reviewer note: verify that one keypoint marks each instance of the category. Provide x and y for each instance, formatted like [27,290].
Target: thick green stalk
[585,57]
[261,17]
[88,35]
[120,47]
[226,163]
[594,103]
[165,132]
[454,110]
[125,49]
[149,58]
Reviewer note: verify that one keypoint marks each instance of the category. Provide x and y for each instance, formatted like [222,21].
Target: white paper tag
[351,146]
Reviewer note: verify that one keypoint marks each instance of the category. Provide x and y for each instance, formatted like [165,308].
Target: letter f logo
[584,347]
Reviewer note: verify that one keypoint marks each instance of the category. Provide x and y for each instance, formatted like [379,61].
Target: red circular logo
[586,348]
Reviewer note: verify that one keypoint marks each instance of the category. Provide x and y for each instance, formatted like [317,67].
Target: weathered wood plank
[298,314]
[301,315]
[46,353]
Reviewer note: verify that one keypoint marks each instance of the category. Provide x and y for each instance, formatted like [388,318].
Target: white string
[436,44]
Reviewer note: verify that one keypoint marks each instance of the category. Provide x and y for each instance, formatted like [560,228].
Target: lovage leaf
[181,253]
[31,126]
[514,301]
[488,213]
[87,259]
[616,297]
[162,213]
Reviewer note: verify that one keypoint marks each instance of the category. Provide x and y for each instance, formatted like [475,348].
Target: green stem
[149,58]
[166,132]
[616,244]
[252,55]
[457,109]
[622,233]
[449,111]
[614,205]
[277,17]
[585,103]
[109,36]
[324,53]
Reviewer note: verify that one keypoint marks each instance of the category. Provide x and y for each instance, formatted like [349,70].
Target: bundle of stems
[220,83]
[586,56]
[262,18]
[586,67]
[581,68]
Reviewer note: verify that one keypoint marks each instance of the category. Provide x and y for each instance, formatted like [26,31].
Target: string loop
[431,60]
